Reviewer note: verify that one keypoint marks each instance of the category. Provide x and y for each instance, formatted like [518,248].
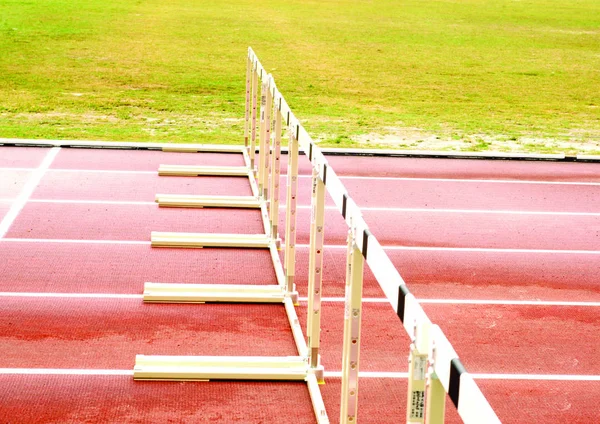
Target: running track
[503,254]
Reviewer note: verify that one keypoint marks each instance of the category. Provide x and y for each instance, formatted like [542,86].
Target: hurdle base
[196,171]
[193,201]
[202,368]
[203,293]
[199,240]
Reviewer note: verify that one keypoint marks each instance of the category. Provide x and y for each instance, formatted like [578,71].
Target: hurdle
[435,371]
[264,180]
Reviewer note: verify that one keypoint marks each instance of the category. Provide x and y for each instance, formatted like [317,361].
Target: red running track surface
[101,268]
[22,157]
[369,166]
[12,182]
[470,275]
[127,222]
[108,333]
[139,187]
[117,399]
[138,160]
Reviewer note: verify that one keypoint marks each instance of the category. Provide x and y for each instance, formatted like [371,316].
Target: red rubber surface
[522,339]
[393,228]
[12,183]
[139,187]
[77,399]
[127,222]
[4,208]
[369,166]
[382,342]
[108,333]
[470,275]
[139,160]
[99,268]
[22,157]
[470,195]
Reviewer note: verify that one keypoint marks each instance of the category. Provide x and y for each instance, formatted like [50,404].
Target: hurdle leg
[261,136]
[313,325]
[352,321]
[436,401]
[290,216]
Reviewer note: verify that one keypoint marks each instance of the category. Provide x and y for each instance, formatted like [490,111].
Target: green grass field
[471,74]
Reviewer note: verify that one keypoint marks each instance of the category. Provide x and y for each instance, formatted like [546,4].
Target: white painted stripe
[73,295]
[464,180]
[469,249]
[99,171]
[32,240]
[104,171]
[461,211]
[542,377]
[92,202]
[331,374]
[329,246]
[63,371]
[346,177]
[26,191]
[470,301]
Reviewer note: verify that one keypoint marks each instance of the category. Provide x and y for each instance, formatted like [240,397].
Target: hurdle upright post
[252,152]
[291,204]
[266,143]
[315,265]
[275,170]
[352,321]
[261,135]
[247,106]
[417,374]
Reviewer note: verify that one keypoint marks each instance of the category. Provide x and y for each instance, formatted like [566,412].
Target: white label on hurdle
[419,368]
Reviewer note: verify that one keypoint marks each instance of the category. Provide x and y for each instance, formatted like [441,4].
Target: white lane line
[346,177]
[324,299]
[73,295]
[460,211]
[331,374]
[32,240]
[100,171]
[329,246]
[63,371]
[92,202]
[480,376]
[26,191]
[463,180]
[467,249]
[375,209]
[469,301]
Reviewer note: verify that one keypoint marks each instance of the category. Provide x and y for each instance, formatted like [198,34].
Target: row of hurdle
[435,371]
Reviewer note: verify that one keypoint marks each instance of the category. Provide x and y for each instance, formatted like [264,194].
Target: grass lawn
[469,74]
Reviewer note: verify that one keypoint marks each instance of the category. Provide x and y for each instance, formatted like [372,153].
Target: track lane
[139,160]
[75,399]
[123,269]
[108,333]
[127,222]
[140,187]
[22,157]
